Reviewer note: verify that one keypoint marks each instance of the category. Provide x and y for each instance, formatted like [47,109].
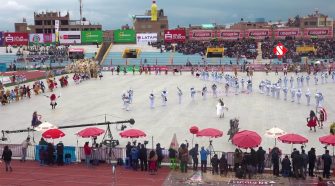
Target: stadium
[170,81]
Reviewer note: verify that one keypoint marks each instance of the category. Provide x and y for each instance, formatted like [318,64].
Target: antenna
[81,11]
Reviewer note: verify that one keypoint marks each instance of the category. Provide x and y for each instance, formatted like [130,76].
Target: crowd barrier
[108,155]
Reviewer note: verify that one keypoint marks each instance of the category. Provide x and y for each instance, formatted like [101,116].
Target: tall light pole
[81,10]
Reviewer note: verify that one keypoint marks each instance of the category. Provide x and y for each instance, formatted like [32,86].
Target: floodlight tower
[81,11]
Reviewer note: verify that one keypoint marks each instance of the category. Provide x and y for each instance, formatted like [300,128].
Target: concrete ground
[89,101]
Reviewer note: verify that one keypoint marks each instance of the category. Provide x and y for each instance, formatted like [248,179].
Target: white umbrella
[318,62]
[45,126]
[274,133]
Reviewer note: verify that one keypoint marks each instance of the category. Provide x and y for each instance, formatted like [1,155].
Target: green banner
[124,36]
[93,36]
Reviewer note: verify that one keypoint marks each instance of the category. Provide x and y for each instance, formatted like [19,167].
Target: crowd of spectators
[325,49]
[233,49]
[42,54]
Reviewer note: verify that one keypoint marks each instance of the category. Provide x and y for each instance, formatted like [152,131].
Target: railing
[113,154]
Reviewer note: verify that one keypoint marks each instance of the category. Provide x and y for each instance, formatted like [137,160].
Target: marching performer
[298,82]
[214,87]
[126,102]
[278,87]
[204,92]
[220,108]
[242,84]
[130,95]
[293,94]
[285,90]
[180,94]
[302,78]
[316,79]
[312,120]
[299,93]
[192,93]
[322,117]
[318,99]
[53,100]
[322,78]
[307,79]
[326,77]
[164,97]
[226,88]
[152,100]
[273,90]
[285,81]
[268,87]
[237,86]
[291,82]
[249,86]
[261,86]
[308,97]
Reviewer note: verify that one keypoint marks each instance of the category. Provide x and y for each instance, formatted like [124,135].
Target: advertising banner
[229,34]
[305,49]
[281,33]
[69,37]
[174,36]
[145,38]
[201,35]
[1,38]
[258,33]
[36,39]
[325,32]
[16,38]
[94,36]
[124,36]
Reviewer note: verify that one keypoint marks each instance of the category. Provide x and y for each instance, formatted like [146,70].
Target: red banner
[229,34]
[281,33]
[257,33]
[201,35]
[174,36]
[16,38]
[325,32]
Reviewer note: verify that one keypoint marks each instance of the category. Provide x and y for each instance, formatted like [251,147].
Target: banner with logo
[124,36]
[1,38]
[201,35]
[16,38]
[258,33]
[281,33]
[94,36]
[325,32]
[229,34]
[145,38]
[37,39]
[174,36]
[305,49]
[69,37]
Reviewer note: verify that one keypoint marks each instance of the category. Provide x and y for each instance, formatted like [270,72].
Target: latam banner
[325,32]
[258,33]
[1,38]
[145,38]
[201,35]
[69,37]
[229,34]
[37,39]
[16,38]
[175,36]
[281,33]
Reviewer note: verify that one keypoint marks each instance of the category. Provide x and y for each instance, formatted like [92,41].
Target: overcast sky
[112,14]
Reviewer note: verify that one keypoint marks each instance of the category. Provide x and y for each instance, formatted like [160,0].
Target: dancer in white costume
[285,90]
[308,97]
[214,88]
[298,94]
[293,91]
[152,100]
[220,106]
[126,102]
[192,93]
[307,80]
[164,97]
[180,94]
[227,89]
[319,99]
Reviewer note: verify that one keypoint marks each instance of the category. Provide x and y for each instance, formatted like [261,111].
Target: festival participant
[293,91]
[236,86]
[164,97]
[316,79]
[249,86]
[285,70]
[125,99]
[204,92]
[214,87]
[180,94]
[36,120]
[53,100]
[152,100]
[307,80]
[302,78]
[278,88]
[130,95]
[285,90]
[291,82]
[285,81]
[312,120]
[322,116]
[319,99]
[322,78]
[242,84]
[193,92]
[220,106]
[298,94]
[28,91]
[308,97]
[227,89]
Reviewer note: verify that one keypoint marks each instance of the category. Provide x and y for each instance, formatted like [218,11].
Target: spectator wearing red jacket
[88,152]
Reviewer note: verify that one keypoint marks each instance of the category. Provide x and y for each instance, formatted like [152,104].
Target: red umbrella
[293,139]
[194,130]
[90,132]
[53,134]
[210,132]
[328,140]
[132,133]
[247,139]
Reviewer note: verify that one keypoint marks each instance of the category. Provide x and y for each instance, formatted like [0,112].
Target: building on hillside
[45,23]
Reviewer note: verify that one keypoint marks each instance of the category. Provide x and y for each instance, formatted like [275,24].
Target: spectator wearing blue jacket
[203,157]
[134,153]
